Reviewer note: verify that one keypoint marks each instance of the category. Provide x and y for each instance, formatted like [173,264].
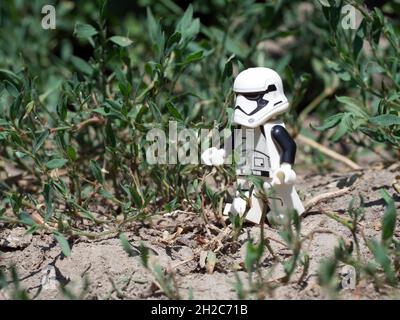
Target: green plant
[384,253]
[164,279]
[366,59]
[10,281]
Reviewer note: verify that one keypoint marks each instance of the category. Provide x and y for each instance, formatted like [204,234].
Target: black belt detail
[265,173]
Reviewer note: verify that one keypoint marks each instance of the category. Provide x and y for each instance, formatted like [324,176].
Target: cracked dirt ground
[178,240]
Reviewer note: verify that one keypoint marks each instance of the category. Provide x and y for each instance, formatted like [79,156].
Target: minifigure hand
[213,157]
[284,175]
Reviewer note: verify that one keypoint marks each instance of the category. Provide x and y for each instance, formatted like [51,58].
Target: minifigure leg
[227,209]
[254,214]
[283,199]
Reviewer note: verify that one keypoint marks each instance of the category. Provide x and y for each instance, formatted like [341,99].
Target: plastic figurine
[259,100]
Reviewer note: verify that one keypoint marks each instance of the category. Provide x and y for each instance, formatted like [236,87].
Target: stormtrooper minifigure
[271,153]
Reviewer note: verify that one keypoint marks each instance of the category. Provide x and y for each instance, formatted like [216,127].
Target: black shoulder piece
[285,142]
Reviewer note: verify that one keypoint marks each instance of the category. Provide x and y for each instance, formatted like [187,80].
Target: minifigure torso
[266,153]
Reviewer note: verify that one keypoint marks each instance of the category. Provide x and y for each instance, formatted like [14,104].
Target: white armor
[262,146]
[264,84]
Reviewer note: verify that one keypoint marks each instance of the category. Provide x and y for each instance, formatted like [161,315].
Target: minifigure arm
[284,174]
[286,144]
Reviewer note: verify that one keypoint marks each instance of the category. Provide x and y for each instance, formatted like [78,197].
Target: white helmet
[259,96]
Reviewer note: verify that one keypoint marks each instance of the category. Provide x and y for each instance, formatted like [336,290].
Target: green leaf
[65,248]
[155,111]
[29,108]
[173,40]
[136,197]
[257,181]
[26,219]
[332,13]
[193,57]
[121,41]
[152,25]
[71,152]
[389,217]
[11,77]
[84,30]
[253,255]
[186,19]
[61,108]
[343,128]
[228,68]
[377,25]
[82,66]
[144,255]
[344,75]
[15,109]
[381,257]
[359,39]
[126,245]
[20,155]
[330,122]
[211,261]
[235,221]
[11,88]
[39,141]
[327,269]
[188,26]
[96,171]
[156,35]
[110,135]
[56,163]
[385,120]
[174,112]
[354,106]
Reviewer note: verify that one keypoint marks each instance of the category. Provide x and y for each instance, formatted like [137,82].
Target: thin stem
[316,102]
[328,152]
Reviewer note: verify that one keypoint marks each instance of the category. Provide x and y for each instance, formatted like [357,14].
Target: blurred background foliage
[76,102]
